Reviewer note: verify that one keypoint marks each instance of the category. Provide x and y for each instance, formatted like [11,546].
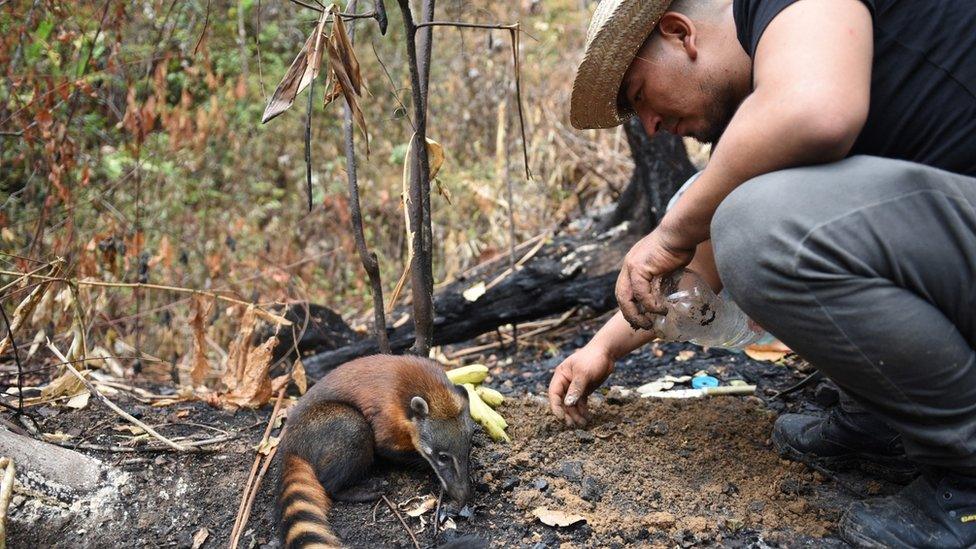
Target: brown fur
[359,408]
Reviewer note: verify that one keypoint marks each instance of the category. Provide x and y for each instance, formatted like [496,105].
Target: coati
[401,408]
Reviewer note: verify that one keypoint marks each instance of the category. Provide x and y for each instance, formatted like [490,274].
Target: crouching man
[838,208]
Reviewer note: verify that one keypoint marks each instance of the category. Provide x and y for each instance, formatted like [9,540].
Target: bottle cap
[701,382]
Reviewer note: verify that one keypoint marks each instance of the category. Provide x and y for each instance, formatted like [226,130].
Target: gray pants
[867,268]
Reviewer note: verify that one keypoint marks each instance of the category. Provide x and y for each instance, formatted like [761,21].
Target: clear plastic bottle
[697,314]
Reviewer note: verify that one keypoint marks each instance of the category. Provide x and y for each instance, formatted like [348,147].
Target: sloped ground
[646,473]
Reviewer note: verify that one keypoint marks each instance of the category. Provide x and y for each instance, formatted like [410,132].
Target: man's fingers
[574,417]
[574,393]
[625,299]
[645,293]
[584,409]
[557,390]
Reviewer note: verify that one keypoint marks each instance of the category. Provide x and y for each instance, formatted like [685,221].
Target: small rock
[466,512]
[160,460]
[619,395]
[571,471]
[487,478]
[540,484]
[757,506]
[660,519]
[730,489]
[656,429]
[585,437]
[592,490]
[797,507]
[509,484]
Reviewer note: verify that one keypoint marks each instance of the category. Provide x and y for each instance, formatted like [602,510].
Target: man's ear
[418,407]
[676,28]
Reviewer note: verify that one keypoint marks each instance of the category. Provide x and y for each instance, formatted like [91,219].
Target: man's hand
[646,266]
[573,381]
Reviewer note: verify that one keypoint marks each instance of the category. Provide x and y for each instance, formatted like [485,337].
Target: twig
[437,516]
[20,367]
[399,517]
[308,142]
[6,489]
[247,499]
[419,211]
[368,258]
[193,445]
[496,344]
[101,283]
[128,417]
[206,25]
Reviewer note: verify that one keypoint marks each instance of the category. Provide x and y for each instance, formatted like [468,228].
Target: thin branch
[368,258]
[399,517]
[206,25]
[125,415]
[308,143]
[193,445]
[244,510]
[420,268]
[20,367]
[101,283]
[6,490]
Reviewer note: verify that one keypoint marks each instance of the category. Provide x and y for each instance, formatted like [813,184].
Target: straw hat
[617,31]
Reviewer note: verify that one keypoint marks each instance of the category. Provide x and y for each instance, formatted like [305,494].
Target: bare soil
[645,473]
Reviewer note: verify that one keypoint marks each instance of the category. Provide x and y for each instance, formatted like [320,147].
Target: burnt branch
[370,262]
[421,279]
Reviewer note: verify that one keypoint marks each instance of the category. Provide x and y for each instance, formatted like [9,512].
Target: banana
[491,397]
[491,420]
[474,374]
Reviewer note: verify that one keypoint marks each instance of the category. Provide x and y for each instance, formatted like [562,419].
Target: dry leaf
[199,538]
[23,312]
[111,363]
[56,437]
[298,376]
[300,74]
[78,401]
[266,446]
[684,356]
[770,353]
[65,385]
[343,46]
[556,518]
[474,292]
[348,87]
[129,428]
[200,365]
[420,505]
[435,156]
[246,377]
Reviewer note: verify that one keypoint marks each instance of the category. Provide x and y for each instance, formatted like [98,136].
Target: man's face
[669,91]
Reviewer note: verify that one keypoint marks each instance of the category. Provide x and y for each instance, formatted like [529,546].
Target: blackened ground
[646,473]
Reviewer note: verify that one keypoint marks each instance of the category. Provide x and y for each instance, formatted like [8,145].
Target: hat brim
[616,33]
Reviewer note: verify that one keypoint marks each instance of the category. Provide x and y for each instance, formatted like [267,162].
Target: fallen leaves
[560,519]
[772,352]
[246,375]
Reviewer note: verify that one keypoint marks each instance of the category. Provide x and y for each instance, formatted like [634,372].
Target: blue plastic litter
[701,382]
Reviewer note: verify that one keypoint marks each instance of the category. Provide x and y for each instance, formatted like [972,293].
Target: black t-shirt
[923,83]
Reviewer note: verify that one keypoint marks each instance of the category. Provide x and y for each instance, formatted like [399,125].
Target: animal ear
[419,406]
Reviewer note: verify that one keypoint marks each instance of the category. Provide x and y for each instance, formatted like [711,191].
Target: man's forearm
[618,339]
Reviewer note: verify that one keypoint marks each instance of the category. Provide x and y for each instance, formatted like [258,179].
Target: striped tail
[303,507]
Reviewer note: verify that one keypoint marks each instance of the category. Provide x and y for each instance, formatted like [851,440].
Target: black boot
[847,434]
[937,510]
